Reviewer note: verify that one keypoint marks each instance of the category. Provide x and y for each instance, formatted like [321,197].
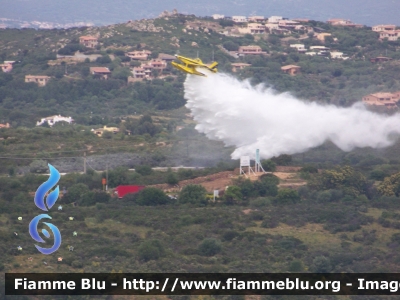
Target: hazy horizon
[101,12]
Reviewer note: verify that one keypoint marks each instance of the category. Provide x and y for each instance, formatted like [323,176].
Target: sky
[105,12]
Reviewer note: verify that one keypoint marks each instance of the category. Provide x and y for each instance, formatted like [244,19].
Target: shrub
[270,178]
[194,194]
[309,169]
[151,250]
[229,235]
[75,193]
[321,264]
[286,196]
[269,223]
[209,247]
[144,170]
[233,194]
[282,160]
[172,179]
[77,264]
[296,266]
[151,196]
[268,165]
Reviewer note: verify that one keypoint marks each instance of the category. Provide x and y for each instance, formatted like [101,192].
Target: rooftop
[290,67]
[100,70]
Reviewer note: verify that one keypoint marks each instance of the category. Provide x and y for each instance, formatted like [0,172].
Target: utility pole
[84,162]
[107,171]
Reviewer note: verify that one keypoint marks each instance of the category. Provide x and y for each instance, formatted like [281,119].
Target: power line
[30,158]
[79,150]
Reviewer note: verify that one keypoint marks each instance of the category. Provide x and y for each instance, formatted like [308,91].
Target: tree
[231,46]
[38,166]
[321,264]
[121,73]
[286,196]
[151,196]
[346,178]
[282,160]
[144,170]
[225,23]
[151,250]
[194,194]
[390,186]
[265,188]
[209,247]
[296,266]
[172,179]
[233,194]
[76,192]
[105,59]
[268,165]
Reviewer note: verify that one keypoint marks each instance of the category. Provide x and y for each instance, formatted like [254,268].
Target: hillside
[92,103]
[324,210]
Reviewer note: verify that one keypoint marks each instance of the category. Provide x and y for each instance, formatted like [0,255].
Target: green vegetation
[341,210]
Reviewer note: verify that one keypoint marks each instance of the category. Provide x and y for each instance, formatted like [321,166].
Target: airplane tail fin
[213,65]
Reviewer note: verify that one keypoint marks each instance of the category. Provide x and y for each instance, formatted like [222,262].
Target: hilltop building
[392,35]
[250,50]
[166,57]
[88,41]
[299,47]
[388,100]
[291,70]
[54,119]
[256,19]
[7,66]
[239,66]
[139,72]
[338,55]
[274,19]
[100,72]
[379,59]
[138,55]
[7,125]
[99,132]
[379,28]
[322,36]
[40,80]
[218,17]
[239,19]
[344,22]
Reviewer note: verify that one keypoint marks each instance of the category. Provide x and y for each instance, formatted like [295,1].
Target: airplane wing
[190,65]
[190,61]
[187,69]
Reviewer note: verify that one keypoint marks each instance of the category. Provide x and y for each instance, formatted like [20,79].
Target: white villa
[54,119]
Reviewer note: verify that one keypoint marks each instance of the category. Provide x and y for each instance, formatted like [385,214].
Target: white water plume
[251,118]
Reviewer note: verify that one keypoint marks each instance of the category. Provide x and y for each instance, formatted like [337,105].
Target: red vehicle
[122,190]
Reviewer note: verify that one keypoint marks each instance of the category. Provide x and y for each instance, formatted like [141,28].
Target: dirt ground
[220,181]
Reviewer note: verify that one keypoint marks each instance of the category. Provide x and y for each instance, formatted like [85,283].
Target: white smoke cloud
[251,118]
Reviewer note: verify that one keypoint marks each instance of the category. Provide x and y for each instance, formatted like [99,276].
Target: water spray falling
[252,118]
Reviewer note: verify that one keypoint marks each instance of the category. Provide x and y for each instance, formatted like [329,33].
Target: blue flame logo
[51,199]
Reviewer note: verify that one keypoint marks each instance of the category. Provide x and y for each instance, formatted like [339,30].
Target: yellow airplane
[191,64]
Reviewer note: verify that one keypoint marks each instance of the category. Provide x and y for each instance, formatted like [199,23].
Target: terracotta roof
[289,67]
[240,65]
[383,25]
[250,47]
[37,76]
[88,37]
[382,95]
[100,70]
[165,56]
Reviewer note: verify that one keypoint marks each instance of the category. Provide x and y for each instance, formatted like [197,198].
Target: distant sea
[69,13]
